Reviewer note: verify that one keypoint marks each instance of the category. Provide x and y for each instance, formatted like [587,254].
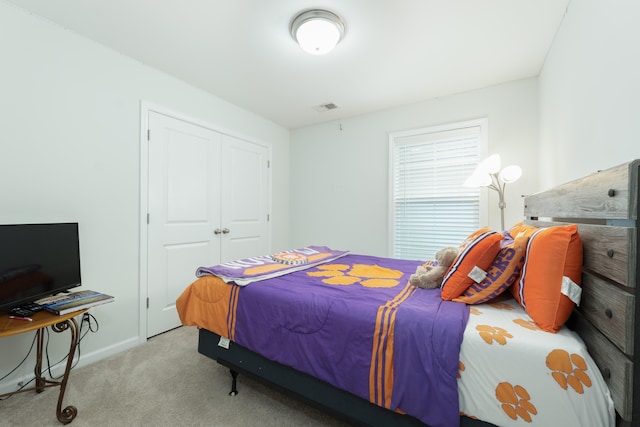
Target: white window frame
[394,139]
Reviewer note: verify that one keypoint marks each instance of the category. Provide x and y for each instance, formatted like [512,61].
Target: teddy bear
[430,274]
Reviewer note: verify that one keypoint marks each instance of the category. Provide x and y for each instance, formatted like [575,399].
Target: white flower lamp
[488,174]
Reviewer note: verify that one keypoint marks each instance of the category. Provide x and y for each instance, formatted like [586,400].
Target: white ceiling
[394,52]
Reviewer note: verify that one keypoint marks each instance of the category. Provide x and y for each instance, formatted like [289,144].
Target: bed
[385,383]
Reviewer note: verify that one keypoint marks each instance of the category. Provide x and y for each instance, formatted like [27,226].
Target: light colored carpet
[164,382]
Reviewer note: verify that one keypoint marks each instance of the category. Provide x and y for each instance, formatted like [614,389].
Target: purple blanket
[245,271]
[358,325]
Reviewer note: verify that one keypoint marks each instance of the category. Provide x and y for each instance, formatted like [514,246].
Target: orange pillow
[522,229]
[549,285]
[477,253]
[503,272]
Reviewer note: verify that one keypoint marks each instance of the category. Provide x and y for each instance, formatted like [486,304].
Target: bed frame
[605,207]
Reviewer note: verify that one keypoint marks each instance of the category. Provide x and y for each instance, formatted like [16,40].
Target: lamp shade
[481,176]
[478,179]
[491,164]
[317,31]
[510,174]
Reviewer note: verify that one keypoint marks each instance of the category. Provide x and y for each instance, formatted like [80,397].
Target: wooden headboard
[605,207]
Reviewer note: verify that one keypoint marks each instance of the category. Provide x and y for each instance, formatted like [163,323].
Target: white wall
[69,151]
[579,116]
[69,147]
[590,91]
[339,170]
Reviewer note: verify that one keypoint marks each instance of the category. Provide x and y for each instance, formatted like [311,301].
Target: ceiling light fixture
[317,31]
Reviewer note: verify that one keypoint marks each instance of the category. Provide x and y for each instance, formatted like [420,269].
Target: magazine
[64,303]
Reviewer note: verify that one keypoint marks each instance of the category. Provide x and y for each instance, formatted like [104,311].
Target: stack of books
[64,303]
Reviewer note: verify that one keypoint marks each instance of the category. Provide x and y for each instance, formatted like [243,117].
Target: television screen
[37,260]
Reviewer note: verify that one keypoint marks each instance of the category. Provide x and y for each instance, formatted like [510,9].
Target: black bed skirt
[340,403]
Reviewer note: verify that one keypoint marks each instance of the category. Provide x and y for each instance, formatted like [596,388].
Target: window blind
[431,208]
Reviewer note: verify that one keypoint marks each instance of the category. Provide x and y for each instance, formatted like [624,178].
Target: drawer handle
[611,192]
[608,313]
[610,253]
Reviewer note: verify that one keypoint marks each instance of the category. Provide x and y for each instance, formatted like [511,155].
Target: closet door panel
[183,212]
[244,199]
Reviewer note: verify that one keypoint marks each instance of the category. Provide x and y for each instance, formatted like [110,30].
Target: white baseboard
[9,385]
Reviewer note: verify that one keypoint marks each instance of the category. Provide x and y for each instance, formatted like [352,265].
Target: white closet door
[245,199]
[184,211]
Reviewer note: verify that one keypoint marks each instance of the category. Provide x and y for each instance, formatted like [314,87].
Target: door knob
[225,231]
[217,231]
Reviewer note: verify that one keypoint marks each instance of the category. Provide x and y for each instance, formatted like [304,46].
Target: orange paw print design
[370,276]
[515,401]
[461,368]
[568,370]
[474,311]
[501,305]
[493,333]
[528,324]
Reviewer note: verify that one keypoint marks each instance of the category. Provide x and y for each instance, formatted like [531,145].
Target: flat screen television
[37,260]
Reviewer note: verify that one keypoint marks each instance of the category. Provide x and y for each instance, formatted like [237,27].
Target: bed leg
[234,377]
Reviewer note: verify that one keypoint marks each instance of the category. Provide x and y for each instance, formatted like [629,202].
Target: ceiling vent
[325,107]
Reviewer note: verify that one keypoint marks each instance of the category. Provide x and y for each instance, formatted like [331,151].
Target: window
[430,208]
